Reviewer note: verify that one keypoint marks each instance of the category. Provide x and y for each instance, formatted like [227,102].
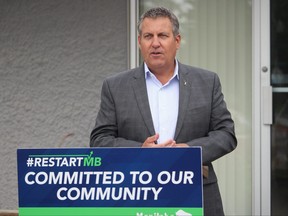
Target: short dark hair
[160,12]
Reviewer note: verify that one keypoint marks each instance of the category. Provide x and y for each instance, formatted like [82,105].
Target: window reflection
[279,80]
[279,42]
[279,187]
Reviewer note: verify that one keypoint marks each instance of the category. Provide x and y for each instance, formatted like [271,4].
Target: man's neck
[164,74]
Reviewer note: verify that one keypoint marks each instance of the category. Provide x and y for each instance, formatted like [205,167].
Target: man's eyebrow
[160,33]
[163,33]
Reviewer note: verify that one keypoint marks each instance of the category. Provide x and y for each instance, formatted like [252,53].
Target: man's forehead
[159,23]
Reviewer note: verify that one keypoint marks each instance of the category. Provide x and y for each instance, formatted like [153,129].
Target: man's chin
[155,65]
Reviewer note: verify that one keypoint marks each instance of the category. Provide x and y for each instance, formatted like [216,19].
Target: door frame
[262,109]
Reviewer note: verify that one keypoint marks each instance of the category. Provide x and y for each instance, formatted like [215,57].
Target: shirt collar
[149,73]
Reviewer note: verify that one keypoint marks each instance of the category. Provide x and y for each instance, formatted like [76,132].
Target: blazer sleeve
[221,138]
[105,132]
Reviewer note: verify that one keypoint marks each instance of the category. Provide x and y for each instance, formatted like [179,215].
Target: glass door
[217,35]
[279,81]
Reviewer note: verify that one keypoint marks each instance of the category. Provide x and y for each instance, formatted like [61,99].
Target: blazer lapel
[139,87]
[184,96]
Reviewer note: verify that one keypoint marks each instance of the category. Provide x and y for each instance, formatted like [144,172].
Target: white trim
[133,46]
[261,168]
[261,127]
[256,121]
[265,127]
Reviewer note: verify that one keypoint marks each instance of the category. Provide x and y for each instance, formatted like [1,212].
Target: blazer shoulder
[192,70]
[135,72]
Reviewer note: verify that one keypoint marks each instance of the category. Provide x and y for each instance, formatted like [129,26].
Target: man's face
[158,44]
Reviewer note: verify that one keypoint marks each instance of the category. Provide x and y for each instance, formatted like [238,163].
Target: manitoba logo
[178,213]
[182,213]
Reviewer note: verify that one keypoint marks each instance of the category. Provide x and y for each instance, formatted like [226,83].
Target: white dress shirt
[164,103]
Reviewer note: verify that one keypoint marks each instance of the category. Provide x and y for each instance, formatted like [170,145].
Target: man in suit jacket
[164,103]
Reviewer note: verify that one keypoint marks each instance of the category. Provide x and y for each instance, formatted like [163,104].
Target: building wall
[54,55]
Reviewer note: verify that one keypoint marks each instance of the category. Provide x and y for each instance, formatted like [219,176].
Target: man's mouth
[156,53]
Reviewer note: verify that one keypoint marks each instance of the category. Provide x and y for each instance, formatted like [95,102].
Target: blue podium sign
[110,181]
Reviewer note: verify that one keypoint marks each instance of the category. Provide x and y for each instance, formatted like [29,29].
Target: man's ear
[139,40]
[178,40]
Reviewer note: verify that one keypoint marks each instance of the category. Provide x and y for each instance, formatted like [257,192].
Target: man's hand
[182,145]
[150,142]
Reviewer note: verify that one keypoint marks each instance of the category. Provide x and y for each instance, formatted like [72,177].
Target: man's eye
[147,36]
[163,36]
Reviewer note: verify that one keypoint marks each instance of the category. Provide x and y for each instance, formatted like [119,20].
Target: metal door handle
[267,116]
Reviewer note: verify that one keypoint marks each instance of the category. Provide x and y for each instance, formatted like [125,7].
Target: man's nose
[155,42]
